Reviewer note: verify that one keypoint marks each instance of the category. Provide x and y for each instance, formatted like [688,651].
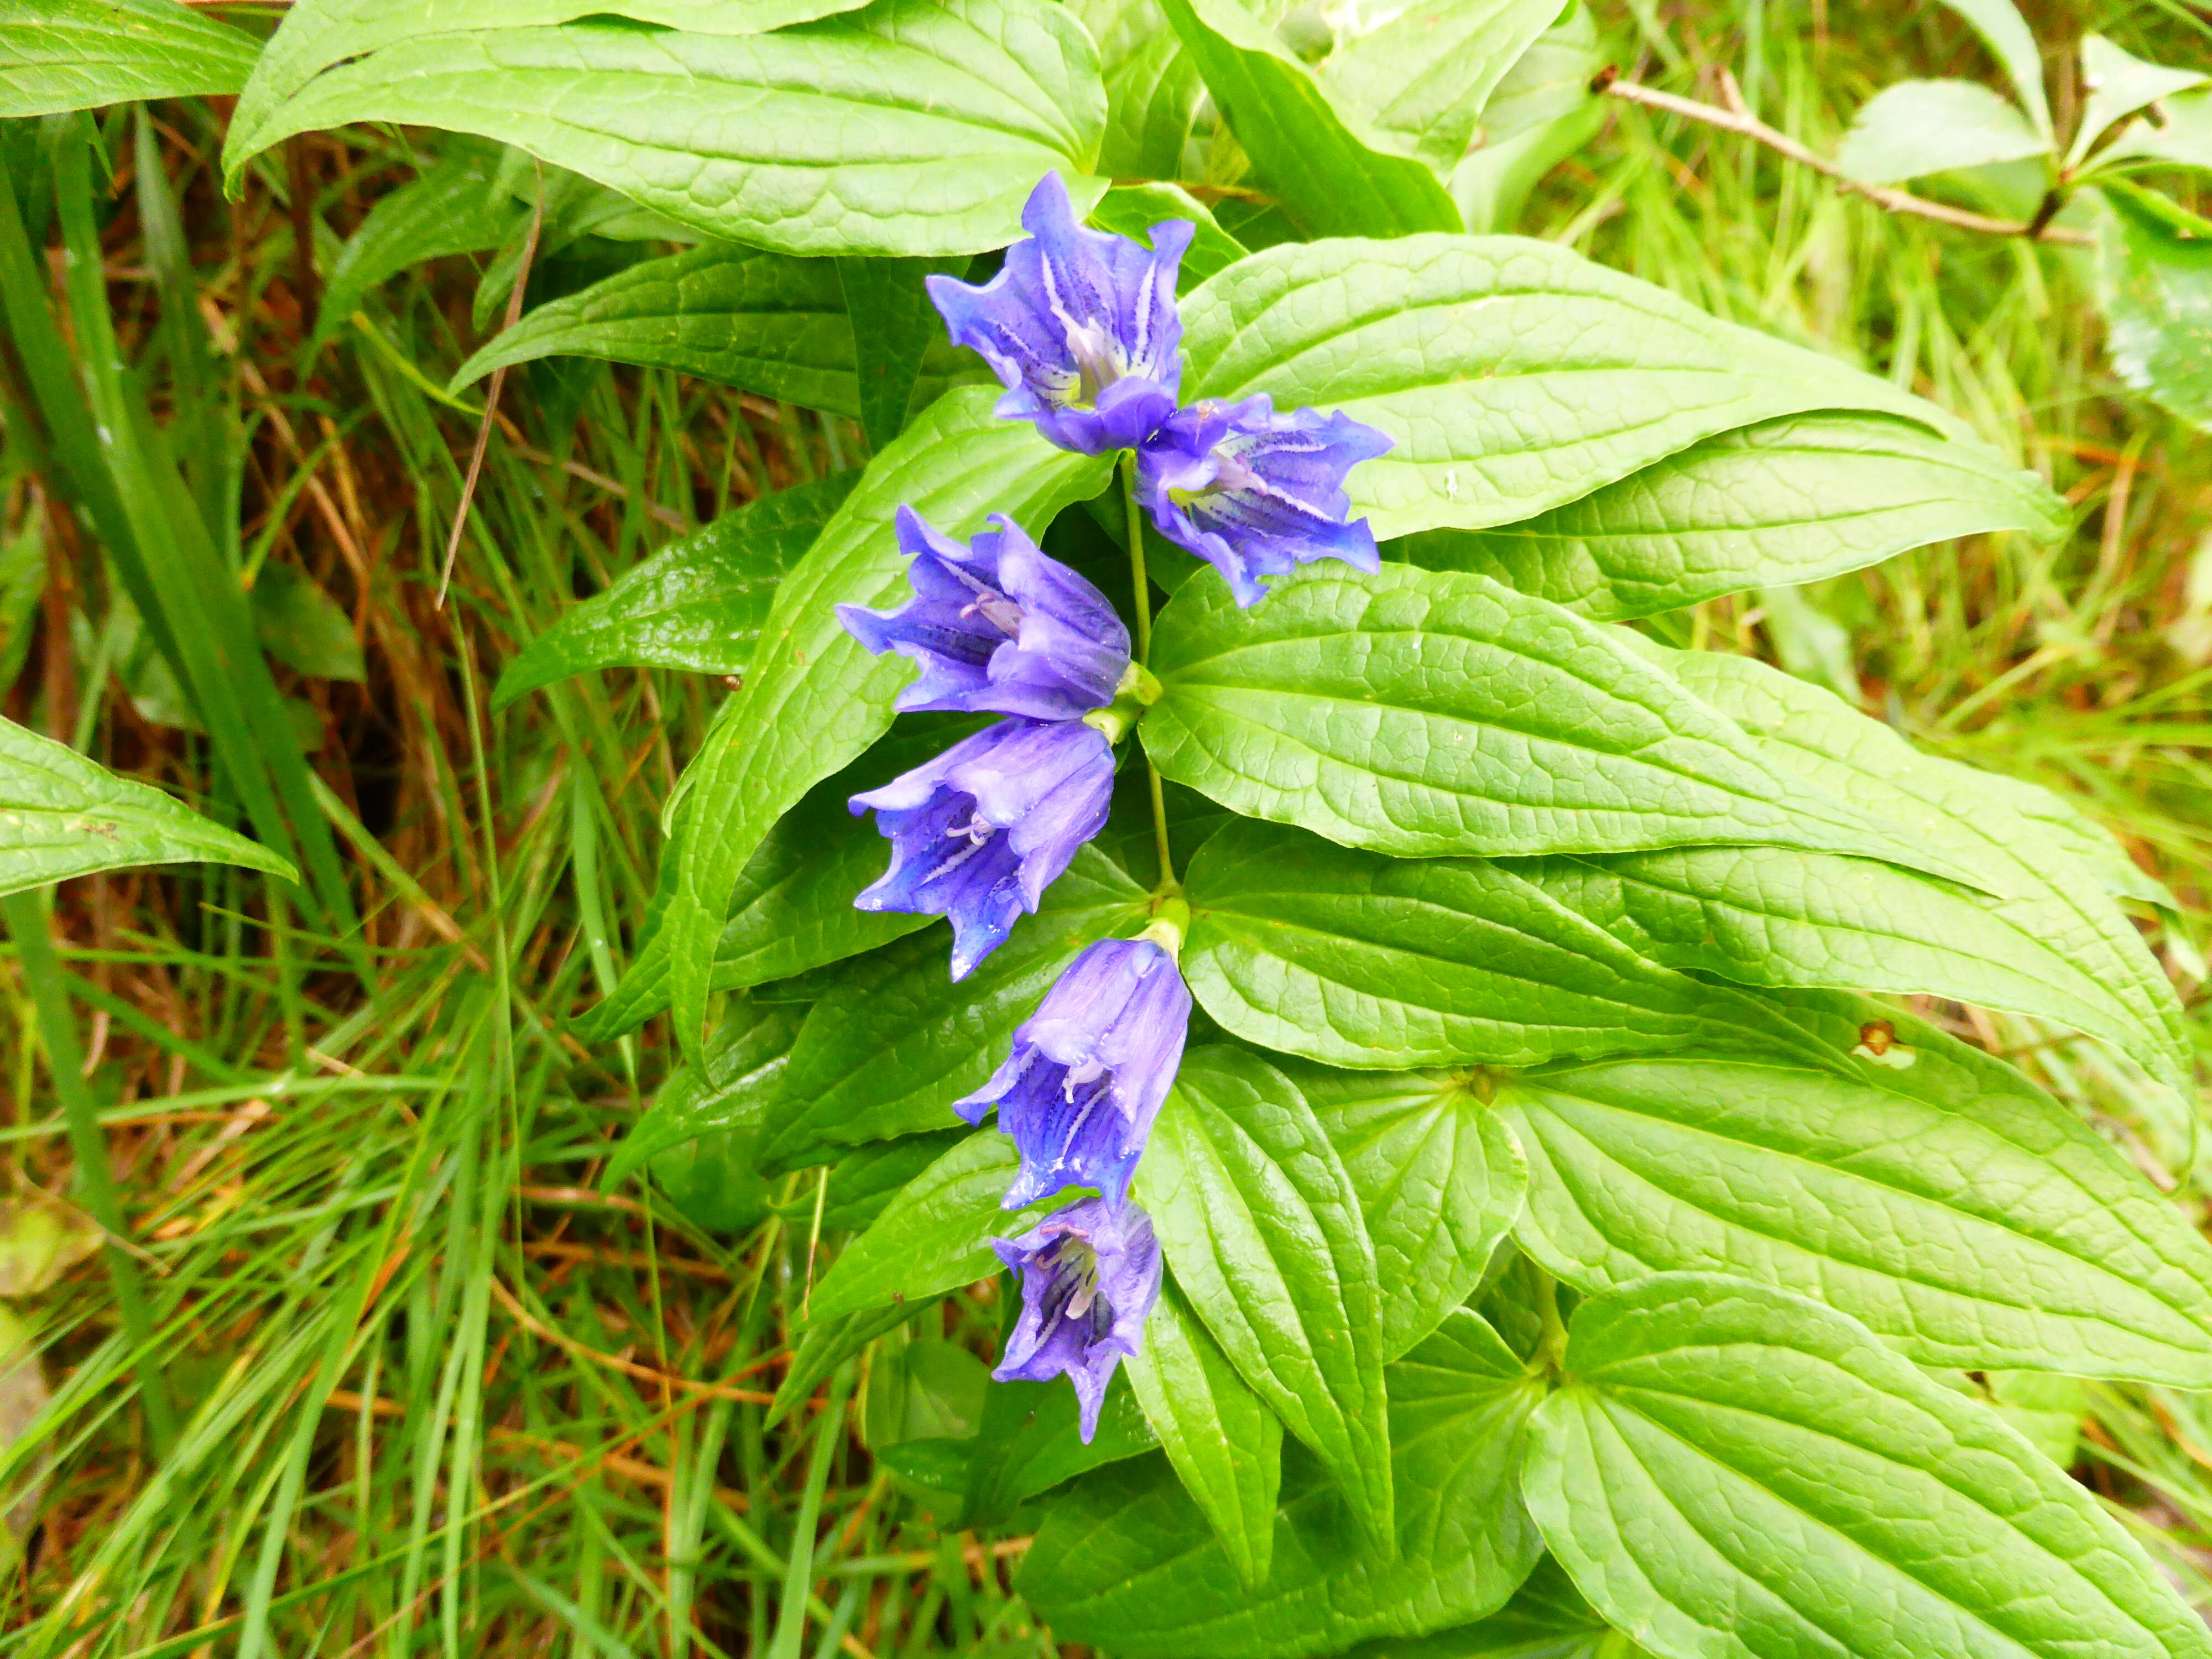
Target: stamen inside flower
[995,607]
[1089,1072]
[1098,360]
[1079,1263]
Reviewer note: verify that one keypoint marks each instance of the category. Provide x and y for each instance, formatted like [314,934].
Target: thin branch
[1733,116]
[491,396]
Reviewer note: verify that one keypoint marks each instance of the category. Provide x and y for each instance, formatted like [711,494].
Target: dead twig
[1733,115]
[491,397]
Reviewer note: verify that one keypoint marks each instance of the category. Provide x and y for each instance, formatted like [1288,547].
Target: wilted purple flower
[1090,1275]
[979,833]
[1088,1071]
[998,625]
[1079,325]
[1255,494]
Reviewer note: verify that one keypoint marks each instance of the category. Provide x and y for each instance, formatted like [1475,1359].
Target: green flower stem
[1143,586]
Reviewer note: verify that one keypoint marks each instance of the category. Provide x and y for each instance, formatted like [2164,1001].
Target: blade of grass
[26,917]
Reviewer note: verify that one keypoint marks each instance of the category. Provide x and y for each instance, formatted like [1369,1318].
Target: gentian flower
[998,625]
[1090,1275]
[1254,493]
[1088,1071]
[979,832]
[1079,325]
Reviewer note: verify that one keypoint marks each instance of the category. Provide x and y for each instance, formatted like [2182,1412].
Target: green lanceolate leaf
[2156,285]
[791,911]
[2183,139]
[2080,960]
[1152,89]
[2120,84]
[1733,1472]
[303,627]
[889,1052]
[1031,1440]
[1781,503]
[1132,210]
[1440,1179]
[1419,83]
[1540,112]
[1479,356]
[1225,1444]
[744,1069]
[934,1236]
[1919,127]
[813,699]
[1762,915]
[894,327]
[319,33]
[58,55]
[456,207]
[1128,1564]
[1261,1226]
[1932,1192]
[766,322]
[696,606]
[826,1344]
[61,815]
[1331,179]
[2009,38]
[1546,1619]
[1422,712]
[909,127]
[864,1182]
[1357,959]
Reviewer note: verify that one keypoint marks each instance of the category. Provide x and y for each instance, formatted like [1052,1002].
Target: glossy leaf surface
[1260,1224]
[1420,81]
[2010,835]
[1357,959]
[62,814]
[1440,1179]
[814,699]
[934,1236]
[1225,1444]
[1781,502]
[1128,1562]
[1422,712]
[57,55]
[1946,1201]
[1583,375]
[696,606]
[1735,1472]
[1330,179]
[889,1052]
[909,127]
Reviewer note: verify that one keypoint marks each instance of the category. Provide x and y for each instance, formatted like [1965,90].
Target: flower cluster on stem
[1082,329]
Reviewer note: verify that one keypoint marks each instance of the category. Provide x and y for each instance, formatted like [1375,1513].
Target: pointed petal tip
[1049,204]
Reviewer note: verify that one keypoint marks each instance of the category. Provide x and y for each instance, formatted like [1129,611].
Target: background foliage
[455,1388]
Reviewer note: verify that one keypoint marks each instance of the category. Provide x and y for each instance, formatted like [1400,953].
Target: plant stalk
[1143,596]
[1733,115]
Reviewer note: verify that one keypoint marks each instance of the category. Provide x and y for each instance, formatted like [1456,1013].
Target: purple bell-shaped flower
[979,832]
[1088,1071]
[1254,493]
[1079,325]
[1090,1273]
[997,625]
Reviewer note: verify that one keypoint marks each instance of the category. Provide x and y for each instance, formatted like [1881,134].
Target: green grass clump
[439,1394]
